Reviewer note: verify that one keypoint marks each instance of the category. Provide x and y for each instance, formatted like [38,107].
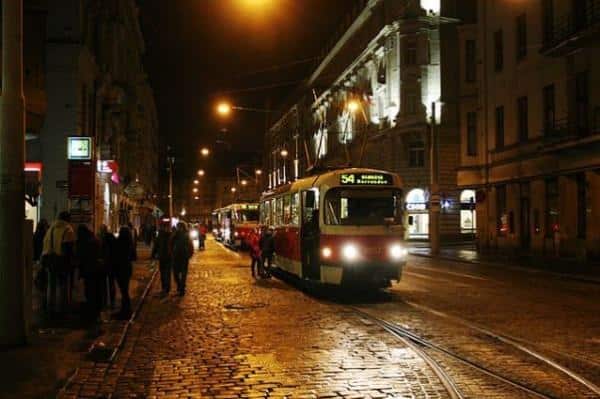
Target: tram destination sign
[365,179]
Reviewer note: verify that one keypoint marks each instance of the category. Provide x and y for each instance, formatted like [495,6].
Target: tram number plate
[365,179]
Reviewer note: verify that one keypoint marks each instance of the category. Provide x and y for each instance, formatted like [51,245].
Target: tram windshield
[360,206]
[248,215]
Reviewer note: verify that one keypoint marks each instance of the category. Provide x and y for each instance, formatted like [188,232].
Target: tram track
[438,357]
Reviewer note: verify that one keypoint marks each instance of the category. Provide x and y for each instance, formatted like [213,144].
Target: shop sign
[79,148]
[365,179]
[81,180]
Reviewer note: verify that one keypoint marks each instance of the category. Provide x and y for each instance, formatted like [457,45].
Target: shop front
[417,211]
[468,215]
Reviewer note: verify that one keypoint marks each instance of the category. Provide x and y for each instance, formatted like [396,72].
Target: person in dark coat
[124,255]
[108,242]
[267,249]
[87,250]
[38,239]
[162,253]
[182,250]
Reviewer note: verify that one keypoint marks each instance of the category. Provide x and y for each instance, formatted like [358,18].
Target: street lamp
[233,189]
[196,182]
[195,190]
[244,182]
[258,172]
[353,106]
[201,172]
[196,198]
[284,153]
[224,108]
[205,152]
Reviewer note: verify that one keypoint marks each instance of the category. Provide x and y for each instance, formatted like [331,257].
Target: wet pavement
[235,337]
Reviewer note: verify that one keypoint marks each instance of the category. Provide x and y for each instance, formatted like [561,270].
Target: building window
[501,212]
[549,110]
[548,20]
[522,119]
[410,53]
[581,206]
[521,36]
[582,102]
[470,62]
[499,127]
[498,50]
[468,218]
[416,155]
[551,206]
[471,133]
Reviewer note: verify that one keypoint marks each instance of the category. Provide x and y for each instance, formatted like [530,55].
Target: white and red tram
[342,227]
[234,223]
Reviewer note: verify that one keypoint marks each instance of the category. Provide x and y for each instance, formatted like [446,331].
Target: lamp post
[434,199]
[12,190]
[284,153]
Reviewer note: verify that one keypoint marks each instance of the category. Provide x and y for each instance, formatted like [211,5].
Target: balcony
[568,131]
[577,29]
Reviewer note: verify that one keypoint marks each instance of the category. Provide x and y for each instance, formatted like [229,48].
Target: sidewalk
[466,253]
[56,348]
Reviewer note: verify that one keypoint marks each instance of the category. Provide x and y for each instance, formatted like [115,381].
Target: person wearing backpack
[57,256]
[182,250]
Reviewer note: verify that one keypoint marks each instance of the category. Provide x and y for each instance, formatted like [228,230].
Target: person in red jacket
[253,243]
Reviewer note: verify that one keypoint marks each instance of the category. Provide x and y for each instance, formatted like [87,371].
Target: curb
[574,277]
[123,336]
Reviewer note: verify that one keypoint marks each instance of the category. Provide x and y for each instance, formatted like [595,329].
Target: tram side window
[278,216]
[295,209]
[287,210]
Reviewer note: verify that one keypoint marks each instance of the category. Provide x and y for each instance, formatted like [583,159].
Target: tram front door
[309,236]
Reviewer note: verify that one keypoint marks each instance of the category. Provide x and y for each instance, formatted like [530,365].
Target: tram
[342,227]
[233,224]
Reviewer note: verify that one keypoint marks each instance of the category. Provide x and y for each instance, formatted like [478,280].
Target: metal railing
[568,25]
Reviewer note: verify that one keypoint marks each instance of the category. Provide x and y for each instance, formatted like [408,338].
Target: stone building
[373,101]
[530,126]
[97,87]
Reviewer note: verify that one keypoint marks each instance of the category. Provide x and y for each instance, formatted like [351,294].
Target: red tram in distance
[342,227]
[233,224]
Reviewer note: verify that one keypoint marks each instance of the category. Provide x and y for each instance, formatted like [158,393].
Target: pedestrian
[201,237]
[38,239]
[91,270]
[162,253]
[57,256]
[134,238]
[107,250]
[267,249]
[182,250]
[123,257]
[253,243]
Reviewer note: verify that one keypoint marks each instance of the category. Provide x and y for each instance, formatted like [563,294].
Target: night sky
[198,51]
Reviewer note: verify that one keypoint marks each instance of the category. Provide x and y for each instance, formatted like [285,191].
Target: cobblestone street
[234,337]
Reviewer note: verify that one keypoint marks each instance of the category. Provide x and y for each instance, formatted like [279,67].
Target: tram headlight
[350,252]
[397,252]
[326,252]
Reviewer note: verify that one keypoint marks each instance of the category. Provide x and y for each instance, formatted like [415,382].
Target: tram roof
[330,177]
[236,205]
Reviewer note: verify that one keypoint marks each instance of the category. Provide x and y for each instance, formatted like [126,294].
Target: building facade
[387,85]
[96,87]
[530,126]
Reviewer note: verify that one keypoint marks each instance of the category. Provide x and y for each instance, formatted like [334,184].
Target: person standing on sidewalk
[38,239]
[57,260]
[124,256]
[253,243]
[162,253]
[182,250]
[267,249]
[108,242]
[91,270]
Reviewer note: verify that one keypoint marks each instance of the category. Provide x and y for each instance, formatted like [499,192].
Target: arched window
[467,196]
[468,215]
[416,196]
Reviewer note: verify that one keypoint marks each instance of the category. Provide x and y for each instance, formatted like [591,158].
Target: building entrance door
[525,218]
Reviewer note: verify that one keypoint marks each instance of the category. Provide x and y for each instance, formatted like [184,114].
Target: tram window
[278,214]
[360,206]
[287,210]
[295,205]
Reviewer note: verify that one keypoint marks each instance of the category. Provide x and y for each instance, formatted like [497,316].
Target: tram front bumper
[372,273]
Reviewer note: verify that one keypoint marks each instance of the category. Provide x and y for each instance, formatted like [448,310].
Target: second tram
[342,227]
[233,224]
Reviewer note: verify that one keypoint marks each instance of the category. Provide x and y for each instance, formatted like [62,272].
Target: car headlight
[326,252]
[194,234]
[397,252]
[350,252]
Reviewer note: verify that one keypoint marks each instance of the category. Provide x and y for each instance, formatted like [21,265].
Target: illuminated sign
[416,206]
[79,148]
[365,179]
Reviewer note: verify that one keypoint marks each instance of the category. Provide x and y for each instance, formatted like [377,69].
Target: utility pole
[434,198]
[12,180]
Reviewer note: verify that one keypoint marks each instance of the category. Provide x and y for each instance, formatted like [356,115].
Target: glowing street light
[233,189]
[196,181]
[353,106]
[258,172]
[201,172]
[196,198]
[183,212]
[195,190]
[244,182]
[224,108]
[205,152]
[284,153]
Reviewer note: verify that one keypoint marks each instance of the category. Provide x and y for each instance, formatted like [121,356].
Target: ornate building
[373,102]
[97,87]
